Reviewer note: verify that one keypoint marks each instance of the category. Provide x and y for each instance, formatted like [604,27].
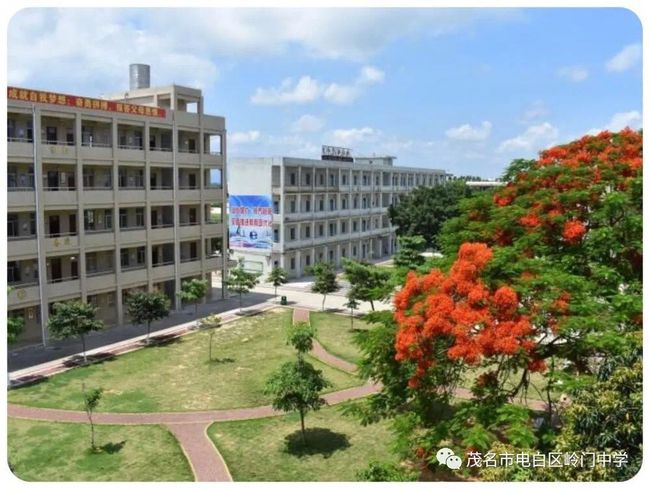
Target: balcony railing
[62,279]
[131,146]
[98,231]
[163,225]
[190,258]
[131,228]
[160,148]
[20,140]
[60,235]
[97,273]
[187,150]
[163,263]
[136,266]
[21,189]
[59,189]
[93,144]
[21,237]
[188,187]
[98,187]
[162,187]
[213,153]
[56,142]
[190,223]
[22,285]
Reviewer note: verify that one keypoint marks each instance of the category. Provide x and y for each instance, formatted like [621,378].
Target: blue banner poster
[250,221]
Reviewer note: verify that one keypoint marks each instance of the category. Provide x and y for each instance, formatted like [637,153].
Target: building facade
[109,196]
[322,210]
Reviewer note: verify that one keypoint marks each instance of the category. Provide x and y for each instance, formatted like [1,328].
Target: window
[139,217]
[332,179]
[354,226]
[321,205]
[354,250]
[292,233]
[344,179]
[276,207]
[12,225]
[292,206]
[292,178]
[308,205]
[332,207]
[140,255]
[355,179]
[308,260]
[320,230]
[13,272]
[331,255]
[293,263]
[344,227]
[276,237]
[321,179]
[307,231]
[124,219]
[308,178]
[344,203]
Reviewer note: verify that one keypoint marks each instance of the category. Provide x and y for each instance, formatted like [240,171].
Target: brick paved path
[190,427]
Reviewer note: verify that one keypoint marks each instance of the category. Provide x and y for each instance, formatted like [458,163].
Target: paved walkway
[190,427]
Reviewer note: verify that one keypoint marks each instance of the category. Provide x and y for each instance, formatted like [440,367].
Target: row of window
[405,180]
[366,225]
[333,205]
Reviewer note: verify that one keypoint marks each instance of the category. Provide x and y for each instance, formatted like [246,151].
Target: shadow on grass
[217,361]
[28,381]
[163,340]
[78,360]
[248,313]
[318,441]
[112,447]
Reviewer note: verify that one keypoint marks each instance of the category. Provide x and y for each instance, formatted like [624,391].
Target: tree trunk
[276,293]
[92,432]
[83,346]
[148,331]
[372,305]
[302,426]
[323,305]
[240,301]
[351,319]
[210,349]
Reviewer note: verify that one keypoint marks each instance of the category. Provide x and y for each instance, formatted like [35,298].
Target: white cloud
[535,111]
[632,119]
[308,89]
[352,136]
[625,59]
[244,137]
[574,74]
[307,123]
[305,90]
[532,139]
[467,132]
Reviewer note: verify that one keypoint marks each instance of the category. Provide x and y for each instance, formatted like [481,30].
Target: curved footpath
[190,427]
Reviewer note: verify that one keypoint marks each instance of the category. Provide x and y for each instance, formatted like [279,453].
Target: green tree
[409,252]
[353,305]
[91,401]
[554,255]
[296,386]
[15,324]
[368,282]
[210,324]
[423,211]
[277,277]
[241,282]
[193,291]
[146,307]
[324,280]
[301,337]
[73,318]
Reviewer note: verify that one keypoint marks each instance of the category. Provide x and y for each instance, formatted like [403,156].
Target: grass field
[334,333]
[270,449]
[178,376]
[44,451]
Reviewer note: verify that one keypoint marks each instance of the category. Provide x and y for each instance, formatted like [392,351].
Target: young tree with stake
[210,324]
[147,307]
[74,318]
[324,280]
[277,277]
[91,401]
[241,282]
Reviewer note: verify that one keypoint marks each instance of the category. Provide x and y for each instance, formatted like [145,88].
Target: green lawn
[334,333]
[179,377]
[270,449]
[43,451]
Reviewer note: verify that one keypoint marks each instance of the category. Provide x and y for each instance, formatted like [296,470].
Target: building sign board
[250,222]
[52,98]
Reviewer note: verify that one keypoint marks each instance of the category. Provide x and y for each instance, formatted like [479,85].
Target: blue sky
[465,90]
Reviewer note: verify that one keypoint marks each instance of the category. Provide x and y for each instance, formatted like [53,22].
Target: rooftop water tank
[139,76]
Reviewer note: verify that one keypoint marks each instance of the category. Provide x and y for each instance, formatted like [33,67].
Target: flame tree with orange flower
[541,277]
